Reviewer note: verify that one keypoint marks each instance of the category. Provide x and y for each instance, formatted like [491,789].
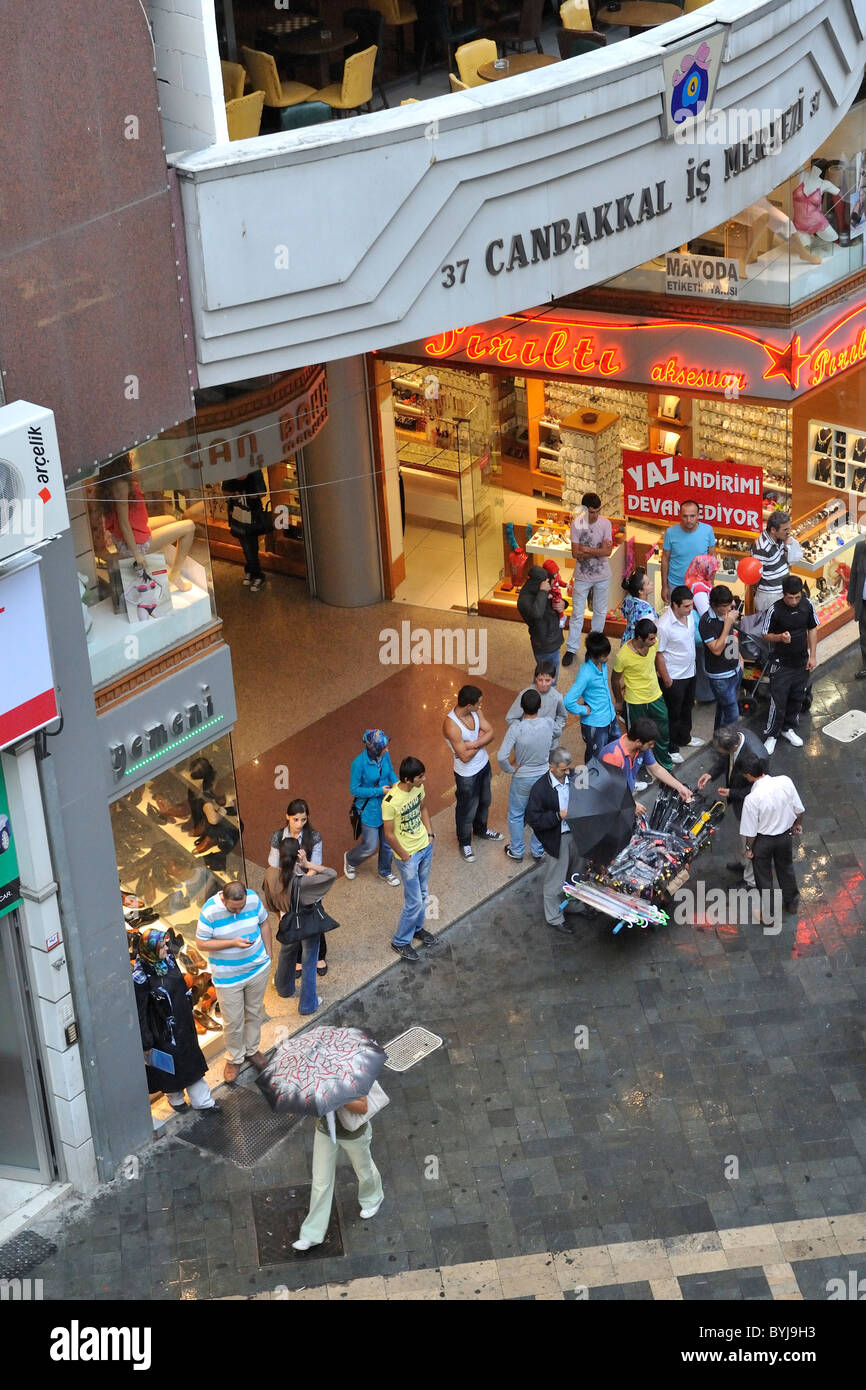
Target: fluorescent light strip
[185,738]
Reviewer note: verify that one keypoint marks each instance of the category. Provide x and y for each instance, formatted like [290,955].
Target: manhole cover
[404,1051]
[243,1132]
[278,1215]
[23,1253]
[847,727]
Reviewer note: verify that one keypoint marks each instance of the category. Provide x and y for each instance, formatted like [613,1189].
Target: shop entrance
[25,1152]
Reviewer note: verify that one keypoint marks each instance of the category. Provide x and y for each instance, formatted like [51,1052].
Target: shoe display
[677,758]
[468,853]
[518,858]
[347,867]
[770,744]
[392,879]
[793,738]
[568,658]
[407,952]
[425,937]
[367,1212]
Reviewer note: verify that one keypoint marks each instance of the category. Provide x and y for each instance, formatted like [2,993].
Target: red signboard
[729,494]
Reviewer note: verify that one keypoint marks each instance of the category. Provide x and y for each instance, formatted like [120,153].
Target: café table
[517,63]
[639,14]
[317,41]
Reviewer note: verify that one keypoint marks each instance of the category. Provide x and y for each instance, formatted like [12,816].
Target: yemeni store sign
[655,486]
[27,698]
[32,496]
[10,886]
[712,359]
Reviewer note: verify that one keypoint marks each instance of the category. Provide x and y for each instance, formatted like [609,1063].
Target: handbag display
[377,1099]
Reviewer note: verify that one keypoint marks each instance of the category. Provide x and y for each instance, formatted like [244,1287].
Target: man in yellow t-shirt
[636,685]
[410,835]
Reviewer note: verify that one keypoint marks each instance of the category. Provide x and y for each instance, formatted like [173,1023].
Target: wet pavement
[707,1142]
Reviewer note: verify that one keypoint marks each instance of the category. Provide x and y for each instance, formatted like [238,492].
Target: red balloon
[749,569]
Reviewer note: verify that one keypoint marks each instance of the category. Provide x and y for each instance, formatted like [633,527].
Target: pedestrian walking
[546,811]
[722,654]
[590,698]
[591,545]
[633,752]
[771,815]
[791,627]
[467,733]
[636,690]
[356,1144]
[298,826]
[683,541]
[371,776]
[524,754]
[771,548]
[234,933]
[541,617]
[410,835]
[729,743]
[552,704]
[248,522]
[676,667]
[637,603]
[167,1025]
[294,885]
[857,599]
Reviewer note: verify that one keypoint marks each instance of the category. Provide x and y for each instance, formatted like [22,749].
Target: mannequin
[131,527]
[806,199]
[783,229]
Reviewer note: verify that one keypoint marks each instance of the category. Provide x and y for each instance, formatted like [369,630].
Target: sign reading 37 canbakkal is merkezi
[728,494]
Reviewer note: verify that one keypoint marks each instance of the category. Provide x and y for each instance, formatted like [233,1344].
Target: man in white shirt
[675,664]
[770,817]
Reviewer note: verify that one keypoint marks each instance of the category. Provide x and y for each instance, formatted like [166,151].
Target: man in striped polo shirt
[234,932]
[772,551]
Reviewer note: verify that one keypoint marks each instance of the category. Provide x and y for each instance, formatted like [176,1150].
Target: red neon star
[786,362]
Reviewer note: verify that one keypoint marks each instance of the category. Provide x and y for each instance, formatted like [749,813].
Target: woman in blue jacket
[372,776]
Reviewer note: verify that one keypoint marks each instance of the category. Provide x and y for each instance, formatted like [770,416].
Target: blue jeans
[595,737]
[371,837]
[725,689]
[415,873]
[555,657]
[284,979]
[518,795]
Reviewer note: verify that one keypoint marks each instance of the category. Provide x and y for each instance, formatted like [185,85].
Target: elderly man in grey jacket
[524,753]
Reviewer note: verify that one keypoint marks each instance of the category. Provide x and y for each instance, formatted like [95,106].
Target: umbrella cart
[636,886]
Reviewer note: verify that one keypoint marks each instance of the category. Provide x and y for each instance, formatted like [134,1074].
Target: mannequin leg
[181,534]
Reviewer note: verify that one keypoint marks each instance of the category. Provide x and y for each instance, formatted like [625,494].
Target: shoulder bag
[377,1099]
[300,922]
[355,817]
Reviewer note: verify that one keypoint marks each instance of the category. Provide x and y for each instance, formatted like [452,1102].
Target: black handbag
[355,817]
[300,922]
[251,521]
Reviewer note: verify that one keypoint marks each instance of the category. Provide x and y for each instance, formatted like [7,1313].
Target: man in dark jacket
[537,611]
[729,742]
[857,598]
[546,812]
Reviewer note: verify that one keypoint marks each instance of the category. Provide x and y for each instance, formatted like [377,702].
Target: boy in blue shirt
[590,698]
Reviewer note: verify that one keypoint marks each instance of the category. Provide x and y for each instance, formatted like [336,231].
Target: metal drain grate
[23,1253]
[243,1132]
[409,1048]
[847,727]
[277,1217]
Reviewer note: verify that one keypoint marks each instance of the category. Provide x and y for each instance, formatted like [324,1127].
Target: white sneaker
[468,854]
[641,786]
[303,1244]
[390,878]
[367,1212]
[792,737]
[770,744]
[696,743]
[347,867]
[677,758]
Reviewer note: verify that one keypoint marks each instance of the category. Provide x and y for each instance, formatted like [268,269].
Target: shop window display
[178,841]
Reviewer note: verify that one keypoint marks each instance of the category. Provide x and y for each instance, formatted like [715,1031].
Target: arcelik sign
[728,494]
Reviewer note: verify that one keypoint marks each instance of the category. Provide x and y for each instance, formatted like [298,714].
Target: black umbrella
[600,810]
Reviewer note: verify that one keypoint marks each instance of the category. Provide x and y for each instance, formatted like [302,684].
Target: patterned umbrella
[322,1069]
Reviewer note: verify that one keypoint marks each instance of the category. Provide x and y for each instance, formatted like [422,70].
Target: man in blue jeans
[410,835]
[722,654]
[524,754]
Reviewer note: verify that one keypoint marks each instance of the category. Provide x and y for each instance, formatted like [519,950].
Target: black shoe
[407,952]
[735,867]
[562,927]
[425,937]
[860,675]
[180,1109]
[518,858]
[492,835]
[568,658]
[215,1109]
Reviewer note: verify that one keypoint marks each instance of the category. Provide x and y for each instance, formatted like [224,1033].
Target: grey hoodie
[531,740]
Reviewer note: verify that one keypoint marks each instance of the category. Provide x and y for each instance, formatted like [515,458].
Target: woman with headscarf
[297,884]
[372,775]
[167,1025]
[700,578]
[636,604]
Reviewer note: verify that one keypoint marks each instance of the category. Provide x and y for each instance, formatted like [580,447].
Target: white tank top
[469,736]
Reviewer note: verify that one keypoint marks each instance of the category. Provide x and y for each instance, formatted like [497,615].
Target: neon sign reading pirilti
[555,352]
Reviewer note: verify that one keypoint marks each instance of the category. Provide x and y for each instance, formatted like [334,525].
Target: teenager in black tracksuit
[792,629]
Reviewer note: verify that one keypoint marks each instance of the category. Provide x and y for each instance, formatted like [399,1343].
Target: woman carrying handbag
[294,891]
[248,520]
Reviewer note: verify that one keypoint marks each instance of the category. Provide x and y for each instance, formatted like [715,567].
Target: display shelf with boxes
[837,457]
[670,430]
[746,432]
[827,537]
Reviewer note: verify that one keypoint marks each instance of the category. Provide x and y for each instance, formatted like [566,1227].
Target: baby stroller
[758,662]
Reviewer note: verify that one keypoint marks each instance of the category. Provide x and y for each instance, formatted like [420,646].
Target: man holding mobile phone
[234,933]
[722,653]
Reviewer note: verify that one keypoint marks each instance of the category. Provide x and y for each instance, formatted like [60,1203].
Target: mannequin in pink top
[133,529]
[806,201]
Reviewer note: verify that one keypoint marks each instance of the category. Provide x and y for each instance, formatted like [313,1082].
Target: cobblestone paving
[708,1142]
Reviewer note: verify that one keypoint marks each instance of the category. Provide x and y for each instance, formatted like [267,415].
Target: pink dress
[808,216]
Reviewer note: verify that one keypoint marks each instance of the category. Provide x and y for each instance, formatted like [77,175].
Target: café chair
[456,84]
[576,14]
[410,101]
[397,15]
[573,42]
[438,31]
[262,72]
[527,29]
[234,78]
[244,116]
[692,5]
[308,113]
[369,25]
[356,88]
[471,56]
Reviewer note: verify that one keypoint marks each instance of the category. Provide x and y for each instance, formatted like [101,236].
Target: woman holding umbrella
[355,1143]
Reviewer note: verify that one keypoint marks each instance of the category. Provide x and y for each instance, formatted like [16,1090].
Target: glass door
[482,507]
[24,1145]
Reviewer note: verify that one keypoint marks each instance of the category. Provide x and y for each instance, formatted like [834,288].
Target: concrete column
[341,510]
